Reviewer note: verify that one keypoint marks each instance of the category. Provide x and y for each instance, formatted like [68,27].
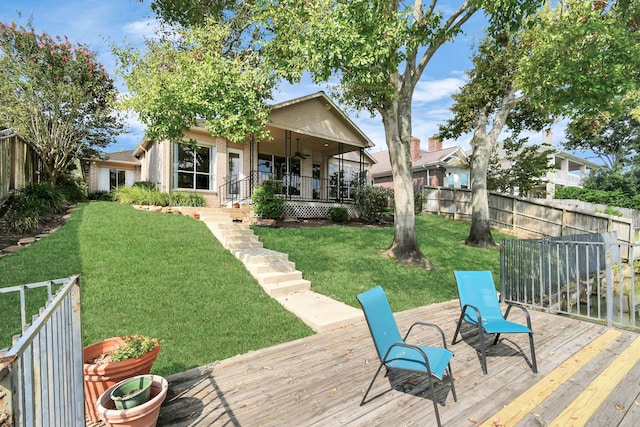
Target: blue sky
[100,23]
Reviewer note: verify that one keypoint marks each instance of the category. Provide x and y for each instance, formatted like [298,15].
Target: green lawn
[167,276]
[343,261]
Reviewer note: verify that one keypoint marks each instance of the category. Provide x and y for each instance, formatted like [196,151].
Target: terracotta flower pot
[144,415]
[98,378]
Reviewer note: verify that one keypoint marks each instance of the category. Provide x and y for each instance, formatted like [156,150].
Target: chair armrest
[478,315]
[433,325]
[413,347]
[524,310]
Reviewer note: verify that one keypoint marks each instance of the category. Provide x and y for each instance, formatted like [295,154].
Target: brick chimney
[435,144]
[415,148]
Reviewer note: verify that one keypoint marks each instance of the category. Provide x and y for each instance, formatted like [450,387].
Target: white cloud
[435,90]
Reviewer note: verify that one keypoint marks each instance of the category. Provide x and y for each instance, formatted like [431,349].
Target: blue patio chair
[480,307]
[395,353]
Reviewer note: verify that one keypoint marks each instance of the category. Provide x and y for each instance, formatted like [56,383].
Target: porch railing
[595,277]
[41,381]
[291,187]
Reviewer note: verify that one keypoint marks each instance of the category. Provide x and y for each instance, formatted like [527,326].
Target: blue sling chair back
[395,353]
[481,308]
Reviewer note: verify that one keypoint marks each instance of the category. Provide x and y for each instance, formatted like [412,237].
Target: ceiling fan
[298,154]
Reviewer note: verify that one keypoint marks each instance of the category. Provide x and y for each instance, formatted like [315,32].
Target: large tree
[487,104]
[376,49]
[56,95]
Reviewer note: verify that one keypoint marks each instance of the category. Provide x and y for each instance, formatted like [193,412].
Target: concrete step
[286,288]
[278,277]
[259,256]
[248,238]
[319,312]
[228,232]
[243,245]
[215,217]
[271,267]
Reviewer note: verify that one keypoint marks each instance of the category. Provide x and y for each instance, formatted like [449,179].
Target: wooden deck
[587,375]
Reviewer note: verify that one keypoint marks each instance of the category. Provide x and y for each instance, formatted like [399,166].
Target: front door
[234,173]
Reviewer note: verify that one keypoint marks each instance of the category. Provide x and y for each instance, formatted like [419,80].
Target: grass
[160,275]
[166,276]
[343,261]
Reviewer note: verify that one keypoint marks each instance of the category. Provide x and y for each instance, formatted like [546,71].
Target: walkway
[587,375]
[275,273]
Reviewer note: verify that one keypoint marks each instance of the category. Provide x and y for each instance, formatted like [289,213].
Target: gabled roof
[427,158]
[318,116]
[121,157]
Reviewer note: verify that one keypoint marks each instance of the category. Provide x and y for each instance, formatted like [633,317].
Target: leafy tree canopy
[585,59]
[56,95]
[197,77]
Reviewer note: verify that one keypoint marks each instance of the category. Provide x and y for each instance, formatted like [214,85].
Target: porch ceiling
[306,143]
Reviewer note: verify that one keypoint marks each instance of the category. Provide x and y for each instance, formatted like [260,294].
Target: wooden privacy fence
[41,379]
[526,218]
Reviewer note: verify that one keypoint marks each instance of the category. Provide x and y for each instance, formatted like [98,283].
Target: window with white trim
[194,167]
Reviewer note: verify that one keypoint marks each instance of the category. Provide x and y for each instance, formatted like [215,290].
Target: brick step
[243,245]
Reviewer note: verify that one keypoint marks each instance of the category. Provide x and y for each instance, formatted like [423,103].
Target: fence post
[6,391]
[609,290]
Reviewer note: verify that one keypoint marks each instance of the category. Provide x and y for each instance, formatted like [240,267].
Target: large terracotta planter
[98,378]
[144,415]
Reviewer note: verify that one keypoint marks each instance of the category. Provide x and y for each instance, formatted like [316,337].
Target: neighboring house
[437,167]
[316,154]
[568,170]
[19,163]
[111,170]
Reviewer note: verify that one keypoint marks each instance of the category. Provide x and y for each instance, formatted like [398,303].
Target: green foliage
[517,168]
[192,78]
[338,215]
[28,208]
[147,185]
[611,211]
[610,198]
[585,59]
[371,202]
[105,196]
[418,201]
[56,95]
[265,203]
[74,189]
[616,143]
[149,195]
[134,347]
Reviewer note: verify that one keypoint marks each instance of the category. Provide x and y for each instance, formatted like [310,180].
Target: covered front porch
[315,153]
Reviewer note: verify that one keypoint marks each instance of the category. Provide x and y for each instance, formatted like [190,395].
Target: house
[111,170]
[19,163]
[437,167]
[316,156]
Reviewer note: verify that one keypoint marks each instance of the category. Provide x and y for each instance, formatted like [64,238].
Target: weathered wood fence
[527,218]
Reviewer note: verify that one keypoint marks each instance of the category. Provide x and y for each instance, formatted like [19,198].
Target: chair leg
[496,340]
[435,402]
[483,351]
[371,384]
[533,354]
[457,328]
[453,385]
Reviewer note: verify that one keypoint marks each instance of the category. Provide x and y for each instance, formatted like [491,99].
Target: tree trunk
[480,234]
[405,248]
[482,144]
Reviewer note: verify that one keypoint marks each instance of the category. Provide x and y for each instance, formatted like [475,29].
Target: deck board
[320,380]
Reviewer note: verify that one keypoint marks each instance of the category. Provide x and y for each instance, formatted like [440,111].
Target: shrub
[265,203]
[73,189]
[30,207]
[372,202]
[338,215]
[106,196]
[418,201]
[186,198]
[147,185]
